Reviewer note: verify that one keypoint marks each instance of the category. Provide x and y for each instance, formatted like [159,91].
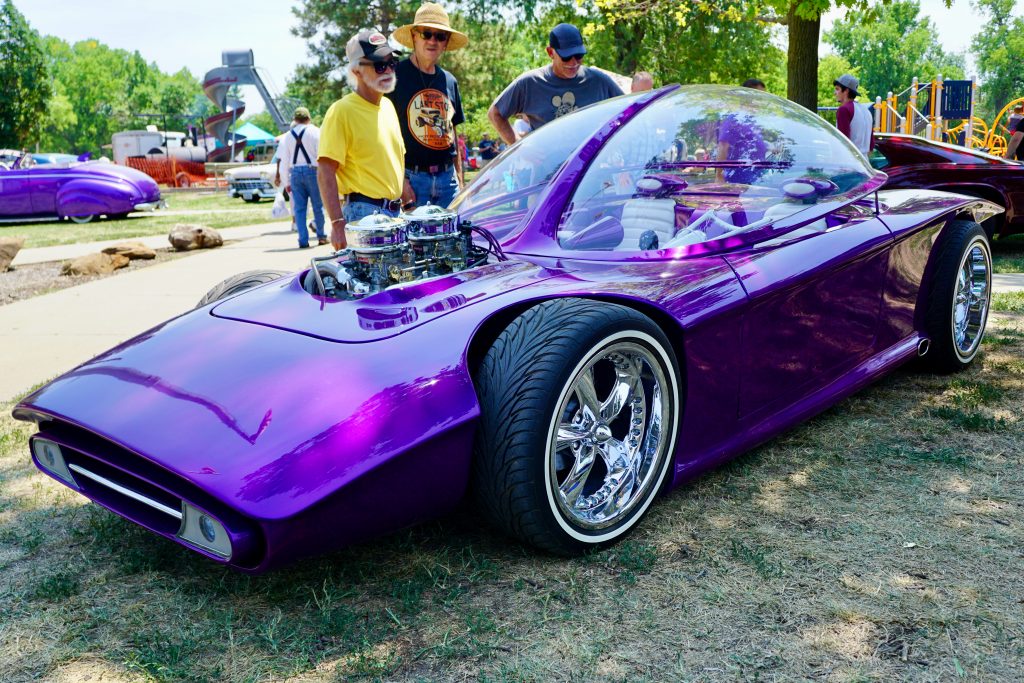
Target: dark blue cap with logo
[567,41]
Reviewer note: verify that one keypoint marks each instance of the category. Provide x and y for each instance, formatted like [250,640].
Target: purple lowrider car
[914,162]
[79,191]
[599,318]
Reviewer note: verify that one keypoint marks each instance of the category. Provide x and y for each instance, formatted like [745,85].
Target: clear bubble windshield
[509,186]
[711,162]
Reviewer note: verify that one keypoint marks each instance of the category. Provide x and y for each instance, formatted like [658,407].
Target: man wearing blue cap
[544,94]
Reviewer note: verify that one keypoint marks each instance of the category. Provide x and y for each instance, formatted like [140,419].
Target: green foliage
[890,46]
[99,90]
[24,81]
[998,47]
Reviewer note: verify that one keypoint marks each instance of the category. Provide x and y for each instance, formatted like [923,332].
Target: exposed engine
[384,251]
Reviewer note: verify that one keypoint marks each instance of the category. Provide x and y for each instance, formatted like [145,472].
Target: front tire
[82,220]
[236,284]
[959,298]
[579,411]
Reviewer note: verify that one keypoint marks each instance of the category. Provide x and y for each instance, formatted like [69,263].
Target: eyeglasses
[439,36]
[572,58]
[382,67]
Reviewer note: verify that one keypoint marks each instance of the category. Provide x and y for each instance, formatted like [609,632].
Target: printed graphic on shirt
[430,115]
[564,104]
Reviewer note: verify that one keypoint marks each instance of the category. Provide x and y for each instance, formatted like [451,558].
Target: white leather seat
[645,213]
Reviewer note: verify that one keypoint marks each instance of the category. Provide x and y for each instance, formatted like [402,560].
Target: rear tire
[82,220]
[236,284]
[579,408]
[959,298]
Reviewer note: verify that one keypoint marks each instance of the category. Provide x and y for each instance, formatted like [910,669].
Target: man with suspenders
[298,154]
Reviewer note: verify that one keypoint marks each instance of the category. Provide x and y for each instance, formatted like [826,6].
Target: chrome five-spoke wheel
[609,435]
[970,302]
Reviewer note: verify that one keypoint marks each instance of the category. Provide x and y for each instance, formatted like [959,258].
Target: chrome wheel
[971,299]
[81,220]
[607,448]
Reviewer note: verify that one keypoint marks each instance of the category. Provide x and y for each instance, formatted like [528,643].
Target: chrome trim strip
[125,491]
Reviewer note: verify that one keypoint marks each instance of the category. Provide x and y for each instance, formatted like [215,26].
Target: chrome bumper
[151,206]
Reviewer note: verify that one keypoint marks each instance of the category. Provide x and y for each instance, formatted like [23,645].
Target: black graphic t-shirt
[428,106]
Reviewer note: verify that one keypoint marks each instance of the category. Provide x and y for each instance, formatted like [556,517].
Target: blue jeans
[434,188]
[305,188]
[353,211]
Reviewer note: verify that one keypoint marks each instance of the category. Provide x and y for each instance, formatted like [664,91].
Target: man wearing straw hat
[429,108]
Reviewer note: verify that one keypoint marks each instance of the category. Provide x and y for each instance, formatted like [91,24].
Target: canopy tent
[255,135]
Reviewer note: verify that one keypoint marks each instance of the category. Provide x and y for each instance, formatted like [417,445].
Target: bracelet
[408,205]
[336,220]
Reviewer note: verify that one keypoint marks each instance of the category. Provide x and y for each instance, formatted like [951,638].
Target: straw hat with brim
[431,15]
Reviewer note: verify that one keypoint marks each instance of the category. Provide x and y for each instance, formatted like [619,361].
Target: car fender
[91,196]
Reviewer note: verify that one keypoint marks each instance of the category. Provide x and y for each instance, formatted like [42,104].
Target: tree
[998,48]
[892,47]
[24,80]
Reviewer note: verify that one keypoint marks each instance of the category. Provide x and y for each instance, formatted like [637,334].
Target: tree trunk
[802,60]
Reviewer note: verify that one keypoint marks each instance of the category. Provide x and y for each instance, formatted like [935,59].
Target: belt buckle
[434,169]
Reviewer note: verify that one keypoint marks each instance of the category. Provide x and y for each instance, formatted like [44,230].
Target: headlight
[202,530]
[50,458]
[265,176]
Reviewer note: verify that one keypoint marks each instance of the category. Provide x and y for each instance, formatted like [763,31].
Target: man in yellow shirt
[362,155]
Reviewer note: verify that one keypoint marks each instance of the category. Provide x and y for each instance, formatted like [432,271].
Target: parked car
[599,322]
[252,183]
[915,162]
[78,191]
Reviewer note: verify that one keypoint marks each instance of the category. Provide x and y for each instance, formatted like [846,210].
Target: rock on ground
[185,236]
[133,250]
[9,248]
[95,264]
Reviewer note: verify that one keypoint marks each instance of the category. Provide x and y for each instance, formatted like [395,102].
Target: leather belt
[439,168]
[388,204]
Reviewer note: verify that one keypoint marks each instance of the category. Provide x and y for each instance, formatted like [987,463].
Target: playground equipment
[944,102]
[238,68]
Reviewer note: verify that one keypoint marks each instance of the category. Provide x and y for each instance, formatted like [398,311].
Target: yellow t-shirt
[366,141]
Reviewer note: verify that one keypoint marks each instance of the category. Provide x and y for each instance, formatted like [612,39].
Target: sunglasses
[439,36]
[572,58]
[382,67]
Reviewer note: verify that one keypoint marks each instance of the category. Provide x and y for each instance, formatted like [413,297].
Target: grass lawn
[1008,254]
[213,210]
[880,541]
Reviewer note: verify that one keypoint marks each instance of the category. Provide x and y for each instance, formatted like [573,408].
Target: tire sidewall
[603,338]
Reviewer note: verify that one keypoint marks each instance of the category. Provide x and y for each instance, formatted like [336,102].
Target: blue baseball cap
[567,41]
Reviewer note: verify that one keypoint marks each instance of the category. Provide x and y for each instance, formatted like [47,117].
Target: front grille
[251,184]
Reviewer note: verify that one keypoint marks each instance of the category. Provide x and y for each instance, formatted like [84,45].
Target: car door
[45,183]
[15,193]
[814,301]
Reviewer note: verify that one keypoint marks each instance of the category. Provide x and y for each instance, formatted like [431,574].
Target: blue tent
[254,134]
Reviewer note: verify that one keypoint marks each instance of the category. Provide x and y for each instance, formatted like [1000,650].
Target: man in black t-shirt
[429,108]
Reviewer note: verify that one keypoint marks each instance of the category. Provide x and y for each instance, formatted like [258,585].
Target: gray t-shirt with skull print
[543,97]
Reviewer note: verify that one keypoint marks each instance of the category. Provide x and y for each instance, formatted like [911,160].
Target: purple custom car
[604,318]
[914,162]
[79,191]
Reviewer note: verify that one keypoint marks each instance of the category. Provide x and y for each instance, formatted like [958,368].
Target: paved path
[47,335]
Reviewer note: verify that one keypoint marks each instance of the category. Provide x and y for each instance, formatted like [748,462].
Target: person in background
[297,155]
[852,120]
[429,108]
[488,148]
[362,155]
[755,83]
[642,82]
[463,151]
[1011,127]
[1014,148]
[560,88]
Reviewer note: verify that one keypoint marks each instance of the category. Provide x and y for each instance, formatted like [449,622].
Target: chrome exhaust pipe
[923,346]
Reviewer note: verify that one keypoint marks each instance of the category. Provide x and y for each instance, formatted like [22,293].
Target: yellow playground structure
[943,111]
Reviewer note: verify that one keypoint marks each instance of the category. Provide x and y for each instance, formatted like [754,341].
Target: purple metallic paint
[77,190]
[306,423]
[914,162]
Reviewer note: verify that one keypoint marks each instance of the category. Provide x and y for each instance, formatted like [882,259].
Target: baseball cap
[300,113]
[848,81]
[368,44]
[567,41]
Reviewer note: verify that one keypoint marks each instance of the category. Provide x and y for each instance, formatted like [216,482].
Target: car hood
[119,172]
[284,304]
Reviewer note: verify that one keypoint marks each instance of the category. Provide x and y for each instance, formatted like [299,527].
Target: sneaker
[303,246]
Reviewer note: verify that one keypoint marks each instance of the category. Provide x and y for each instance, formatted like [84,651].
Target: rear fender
[91,196]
